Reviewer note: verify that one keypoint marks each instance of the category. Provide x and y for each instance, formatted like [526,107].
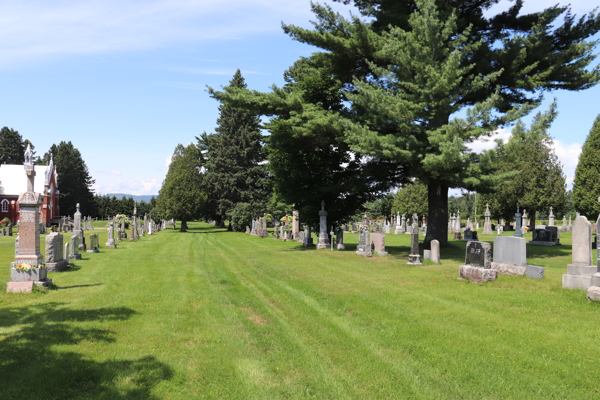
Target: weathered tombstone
[470,235]
[457,230]
[300,237]
[134,225]
[77,231]
[510,258]
[295,224]
[55,261]
[264,231]
[364,245]
[551,217]
[110,244]
[94,245]
[597,250]
[339,240]
[10,232]
[378,244]
[487,225]
[74,247]
[281,231]
[398,224]
[478,263]
[253,231]
[414,258]
[323,236]
[67,250]
[581,270]
[518,223]
[308,240]
[542,237]
[435,251]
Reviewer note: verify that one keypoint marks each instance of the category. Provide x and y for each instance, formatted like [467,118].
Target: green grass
[214,314]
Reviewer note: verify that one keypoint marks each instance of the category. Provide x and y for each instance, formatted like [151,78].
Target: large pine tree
[12,150]
[308,157]
[586,187]
[74,180]
[420,62]
[233,160]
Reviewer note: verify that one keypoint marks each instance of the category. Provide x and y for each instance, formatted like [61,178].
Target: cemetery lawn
[222,315]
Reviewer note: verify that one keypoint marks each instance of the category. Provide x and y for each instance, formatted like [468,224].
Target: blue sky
[125,80]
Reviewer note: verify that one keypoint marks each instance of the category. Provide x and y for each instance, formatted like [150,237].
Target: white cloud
[568,155]
[488,143]
[168,161]
[115,172]
[128,186]
[36,29]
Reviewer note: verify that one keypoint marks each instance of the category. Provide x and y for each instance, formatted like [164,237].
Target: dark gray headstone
[479,254]
[543,235]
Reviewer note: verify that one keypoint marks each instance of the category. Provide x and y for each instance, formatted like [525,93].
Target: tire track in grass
[291,334]
[339,325]
[488,315]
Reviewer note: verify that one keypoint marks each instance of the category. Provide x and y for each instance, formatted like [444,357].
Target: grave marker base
[476,274]
[57,266]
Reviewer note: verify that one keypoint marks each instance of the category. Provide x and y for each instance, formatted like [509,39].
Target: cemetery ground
[216,314]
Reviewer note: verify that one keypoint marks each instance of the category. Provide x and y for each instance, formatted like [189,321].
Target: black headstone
[479,254]
[542,235]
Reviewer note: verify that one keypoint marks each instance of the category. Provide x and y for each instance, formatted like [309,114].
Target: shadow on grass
[55,287]
[209,229]
[32,369]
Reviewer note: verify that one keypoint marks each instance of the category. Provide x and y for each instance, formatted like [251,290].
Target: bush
[241,217]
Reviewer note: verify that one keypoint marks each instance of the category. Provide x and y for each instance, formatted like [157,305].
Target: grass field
[215,314]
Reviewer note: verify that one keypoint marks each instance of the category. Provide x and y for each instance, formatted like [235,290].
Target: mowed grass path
[215,314]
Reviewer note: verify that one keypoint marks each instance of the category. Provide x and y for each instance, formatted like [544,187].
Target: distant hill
[146,197]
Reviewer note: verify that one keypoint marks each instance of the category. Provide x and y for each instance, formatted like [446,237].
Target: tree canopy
[540,182]
[233,160]
[586,186]
[181,195]
[410,199]
[308,158]
[12,150]
[74,180]
[420,62]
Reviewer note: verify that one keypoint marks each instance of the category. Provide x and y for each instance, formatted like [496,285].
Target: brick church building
[13,182]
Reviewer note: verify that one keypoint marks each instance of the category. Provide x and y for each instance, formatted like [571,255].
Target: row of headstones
[509,257]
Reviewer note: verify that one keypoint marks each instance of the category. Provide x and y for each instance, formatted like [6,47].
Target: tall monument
[29,233]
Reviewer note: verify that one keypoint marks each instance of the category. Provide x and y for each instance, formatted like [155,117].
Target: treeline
[107,207]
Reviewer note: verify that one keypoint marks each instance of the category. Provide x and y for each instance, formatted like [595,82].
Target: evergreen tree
[308,158]
[181,196]
[422,61]
[74,180]
[540,181]
[233,156]
[12,150]
[586,186]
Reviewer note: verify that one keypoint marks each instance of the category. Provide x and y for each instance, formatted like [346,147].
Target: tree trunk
[183,226]
[437,220]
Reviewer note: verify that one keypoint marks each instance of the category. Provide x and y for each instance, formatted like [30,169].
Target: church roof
[13,180]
